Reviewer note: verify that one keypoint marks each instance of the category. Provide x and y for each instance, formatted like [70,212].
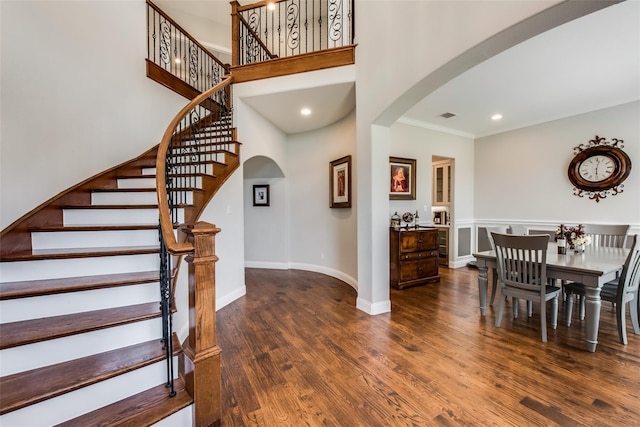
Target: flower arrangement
[575,235]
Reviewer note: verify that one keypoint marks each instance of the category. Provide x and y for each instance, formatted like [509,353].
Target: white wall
[536,159]
[321,238]
[75,96]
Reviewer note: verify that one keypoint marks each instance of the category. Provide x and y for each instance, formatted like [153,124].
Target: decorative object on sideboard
[407,217]
[340,183]
[599,168]
[402,179]
[395,221]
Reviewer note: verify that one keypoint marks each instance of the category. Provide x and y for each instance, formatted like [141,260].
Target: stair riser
[14,310]
[92,239]
[58,268]
[113,216]
[120,198]
[137,183]
[78,402]
[37,355]
[183,417]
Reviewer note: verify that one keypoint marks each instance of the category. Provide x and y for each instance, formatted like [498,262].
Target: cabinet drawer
[418,269]
[410,256]
[412,241]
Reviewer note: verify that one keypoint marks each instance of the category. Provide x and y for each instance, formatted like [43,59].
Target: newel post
[202,369]
[235,34]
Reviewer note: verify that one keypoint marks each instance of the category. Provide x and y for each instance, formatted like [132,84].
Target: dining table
[594,267]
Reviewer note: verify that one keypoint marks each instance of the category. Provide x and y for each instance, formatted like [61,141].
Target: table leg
[483,284]
[592,306]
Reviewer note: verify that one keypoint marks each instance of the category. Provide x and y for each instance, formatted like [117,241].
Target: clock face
[596,168]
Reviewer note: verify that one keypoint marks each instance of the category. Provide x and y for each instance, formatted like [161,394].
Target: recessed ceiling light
[271,6]
[496,116]
[177,60]
[305,111]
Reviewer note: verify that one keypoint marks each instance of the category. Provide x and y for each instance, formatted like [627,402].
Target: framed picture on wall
[402,178]
[340,183]
[261,195]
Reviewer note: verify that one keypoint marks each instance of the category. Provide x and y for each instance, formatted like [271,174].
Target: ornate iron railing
[268,29]
[174,50]
[195,142]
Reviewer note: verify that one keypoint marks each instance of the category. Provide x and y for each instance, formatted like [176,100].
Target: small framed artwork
[402,179]
[340,183]
[261,195]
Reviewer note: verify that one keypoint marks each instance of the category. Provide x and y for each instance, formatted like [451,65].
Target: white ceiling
[588,64]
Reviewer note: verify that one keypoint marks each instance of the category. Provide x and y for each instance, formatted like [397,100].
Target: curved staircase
[81,327]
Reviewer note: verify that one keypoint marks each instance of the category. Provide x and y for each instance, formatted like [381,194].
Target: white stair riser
[137,182]
[125,198]
[183,417]
[87,399]
[113,216]
[75,267]
[148,171]
[15,310]
[45,353]
[92,239]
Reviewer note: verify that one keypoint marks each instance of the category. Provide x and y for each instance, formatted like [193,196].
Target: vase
[579,249]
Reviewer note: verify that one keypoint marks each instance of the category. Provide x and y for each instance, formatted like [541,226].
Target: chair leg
[554,314]
[543,320]
[515,302]
[568,309]
[500,310]
[620,317]
[529,308]
[581,298]
[634,311]
[494,281]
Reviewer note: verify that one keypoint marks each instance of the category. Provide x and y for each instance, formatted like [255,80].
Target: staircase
[81,340]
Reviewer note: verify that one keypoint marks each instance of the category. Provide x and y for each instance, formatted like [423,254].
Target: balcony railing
[268,30]
[173,50]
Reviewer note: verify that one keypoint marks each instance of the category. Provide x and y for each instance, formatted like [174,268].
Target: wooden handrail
[166,225]
[257,5]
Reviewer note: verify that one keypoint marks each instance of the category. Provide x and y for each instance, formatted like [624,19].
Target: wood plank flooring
[296,352]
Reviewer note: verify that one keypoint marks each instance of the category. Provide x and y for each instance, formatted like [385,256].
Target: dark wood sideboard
[413,257]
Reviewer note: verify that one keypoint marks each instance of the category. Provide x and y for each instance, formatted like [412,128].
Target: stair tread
[142,409]
[68,253]
[31,288]
[29,331]
[139,190]
[30,387]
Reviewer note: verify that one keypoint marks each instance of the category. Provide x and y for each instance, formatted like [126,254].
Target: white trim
[328,271]
[227,299]
[373,309]
[267,265]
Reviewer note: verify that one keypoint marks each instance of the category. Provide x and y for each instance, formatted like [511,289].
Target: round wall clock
[599,168]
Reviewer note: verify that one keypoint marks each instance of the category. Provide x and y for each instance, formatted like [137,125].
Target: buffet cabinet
[413,257]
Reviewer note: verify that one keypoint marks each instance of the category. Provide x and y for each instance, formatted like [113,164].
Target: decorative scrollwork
[598,141]
[335,20]
[598,195]
[293,34]
[193,62]
[165,42]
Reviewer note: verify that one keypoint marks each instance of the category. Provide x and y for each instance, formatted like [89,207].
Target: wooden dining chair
[604,236]
[621,291]
[607,236]
[522,273]
[494,272]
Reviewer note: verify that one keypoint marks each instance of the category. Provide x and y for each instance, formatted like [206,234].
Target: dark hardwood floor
[296,352]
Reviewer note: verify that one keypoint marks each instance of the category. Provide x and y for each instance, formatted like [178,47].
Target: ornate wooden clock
[599,168]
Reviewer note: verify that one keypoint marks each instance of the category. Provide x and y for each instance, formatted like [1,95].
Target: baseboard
[375,308]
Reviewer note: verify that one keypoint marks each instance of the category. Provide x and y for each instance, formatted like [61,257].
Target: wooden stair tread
[142,409]
[110,207]
[11,290]
[69,253]
[30,387]
[30,331]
